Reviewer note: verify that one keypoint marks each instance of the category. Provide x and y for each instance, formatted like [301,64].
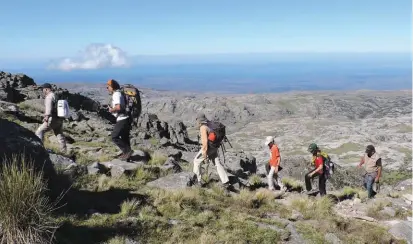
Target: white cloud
[94,56]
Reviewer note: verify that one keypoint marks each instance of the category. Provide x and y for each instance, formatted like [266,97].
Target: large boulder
[16,140]
[240,164]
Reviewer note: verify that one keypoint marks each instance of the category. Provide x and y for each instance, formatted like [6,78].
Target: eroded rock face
[15,80]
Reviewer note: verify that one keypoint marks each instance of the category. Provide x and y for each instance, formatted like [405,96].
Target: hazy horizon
[250,73]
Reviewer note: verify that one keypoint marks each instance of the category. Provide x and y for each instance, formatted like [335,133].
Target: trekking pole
[226,139]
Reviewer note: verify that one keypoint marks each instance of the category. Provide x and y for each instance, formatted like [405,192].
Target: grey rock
[295,216]
[404,185]
[95,168]
[172,164]
[332,239]
[130,241]
[13,108]
[61,162]
[173,221]
[175,153]
[388,211]
[402,230]
[164,142]
[77,116]
[240,163]
[357,201]
[173,181]
[118,167]
[117,171]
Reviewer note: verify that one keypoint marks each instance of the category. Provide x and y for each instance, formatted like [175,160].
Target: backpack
[133,104]
[60,106]
[328,166]
[63,109]
[216,133]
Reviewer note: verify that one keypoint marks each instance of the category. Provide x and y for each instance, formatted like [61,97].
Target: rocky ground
[148,201]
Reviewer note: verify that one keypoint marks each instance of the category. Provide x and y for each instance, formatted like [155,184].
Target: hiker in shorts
[318,161]
[50,119]
[207,153]
[273,166]
[373,166]
[121,131]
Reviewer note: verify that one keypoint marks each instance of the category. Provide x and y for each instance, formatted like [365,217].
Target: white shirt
[117,98]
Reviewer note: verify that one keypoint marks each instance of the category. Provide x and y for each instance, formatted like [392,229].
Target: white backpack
[63,109]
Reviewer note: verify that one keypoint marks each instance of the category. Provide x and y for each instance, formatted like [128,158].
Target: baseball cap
[45,85]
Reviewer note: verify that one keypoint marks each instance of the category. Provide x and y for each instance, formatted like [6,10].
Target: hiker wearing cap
[121,131]
[50,119]
[207,153]
[373,166]
[273,166]
[318,161]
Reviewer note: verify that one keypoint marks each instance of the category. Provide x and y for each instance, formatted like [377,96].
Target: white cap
[268,140]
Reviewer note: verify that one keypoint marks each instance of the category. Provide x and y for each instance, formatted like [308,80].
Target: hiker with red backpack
[212,134]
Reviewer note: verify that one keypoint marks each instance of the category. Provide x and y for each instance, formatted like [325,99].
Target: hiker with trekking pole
[212,135]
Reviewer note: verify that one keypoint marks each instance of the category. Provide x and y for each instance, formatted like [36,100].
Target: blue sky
[46,29]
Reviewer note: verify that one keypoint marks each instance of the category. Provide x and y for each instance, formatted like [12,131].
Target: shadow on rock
[69,233]
[82,202]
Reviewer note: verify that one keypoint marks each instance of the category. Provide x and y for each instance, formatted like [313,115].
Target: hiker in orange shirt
[273,166]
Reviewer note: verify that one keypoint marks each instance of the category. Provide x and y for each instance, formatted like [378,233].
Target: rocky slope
[342,123]
[165,144]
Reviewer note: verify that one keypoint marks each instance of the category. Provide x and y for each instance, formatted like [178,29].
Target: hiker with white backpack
[55,113]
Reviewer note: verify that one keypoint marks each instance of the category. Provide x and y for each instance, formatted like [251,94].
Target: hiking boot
[128,155]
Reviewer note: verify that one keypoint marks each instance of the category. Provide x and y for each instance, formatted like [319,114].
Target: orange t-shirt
[275,154]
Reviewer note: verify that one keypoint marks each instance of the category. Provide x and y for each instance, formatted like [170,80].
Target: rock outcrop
[16,140]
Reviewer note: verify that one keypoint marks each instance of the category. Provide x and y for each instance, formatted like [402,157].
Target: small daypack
[216,133]
[60,106]
[328,166]
[63,109]
[133,104]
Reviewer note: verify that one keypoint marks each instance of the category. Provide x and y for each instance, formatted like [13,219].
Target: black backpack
[133,104]
[216,133]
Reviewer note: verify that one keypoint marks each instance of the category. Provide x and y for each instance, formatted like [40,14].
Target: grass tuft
[320,208]
[129,207]
[292,185]
[25,209]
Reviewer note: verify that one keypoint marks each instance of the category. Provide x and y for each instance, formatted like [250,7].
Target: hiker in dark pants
[373,166]
[318,161]
[121,131]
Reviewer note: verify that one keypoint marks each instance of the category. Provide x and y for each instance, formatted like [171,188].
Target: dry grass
[25,210]
[255,180]
[292,184]
[129,207]
[320,208]
[157,159]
